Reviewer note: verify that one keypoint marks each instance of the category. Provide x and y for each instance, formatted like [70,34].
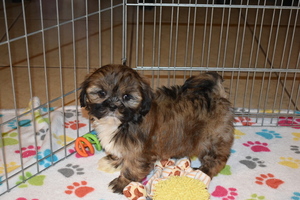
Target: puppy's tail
[206,84]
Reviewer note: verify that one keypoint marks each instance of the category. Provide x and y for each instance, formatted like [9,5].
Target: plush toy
[171,179]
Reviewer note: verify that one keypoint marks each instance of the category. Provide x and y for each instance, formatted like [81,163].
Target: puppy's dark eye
[127,97]
[102,94]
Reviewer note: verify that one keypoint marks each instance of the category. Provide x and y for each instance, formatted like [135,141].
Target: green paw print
[9,139]
[35,181]
[226,170]
[39,118]
[256,197]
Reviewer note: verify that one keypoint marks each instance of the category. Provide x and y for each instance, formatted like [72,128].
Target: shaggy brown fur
[137,127]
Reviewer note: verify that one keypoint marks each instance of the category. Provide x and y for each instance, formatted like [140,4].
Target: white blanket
[265,161]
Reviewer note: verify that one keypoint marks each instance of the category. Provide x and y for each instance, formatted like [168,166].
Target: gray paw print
[70,170]
[252,163]
[295,148]
[72,113]
[42,133]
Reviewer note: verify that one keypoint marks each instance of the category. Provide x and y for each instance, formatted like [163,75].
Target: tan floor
[58,58]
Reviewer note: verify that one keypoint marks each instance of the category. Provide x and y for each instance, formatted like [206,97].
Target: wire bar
[60,24]
[217,69]
[253,45]
[213,6]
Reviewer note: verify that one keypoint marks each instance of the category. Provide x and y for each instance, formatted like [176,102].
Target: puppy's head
[118,91]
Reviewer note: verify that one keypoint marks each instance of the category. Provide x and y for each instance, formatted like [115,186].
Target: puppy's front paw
[118,184]
[106,165]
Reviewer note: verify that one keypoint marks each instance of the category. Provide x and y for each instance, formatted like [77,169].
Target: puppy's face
[116,91]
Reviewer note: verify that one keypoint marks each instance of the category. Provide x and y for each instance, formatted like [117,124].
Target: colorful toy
[181,187]
[171,179]
[86,142]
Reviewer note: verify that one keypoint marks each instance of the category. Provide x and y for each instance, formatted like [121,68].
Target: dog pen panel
[48,47]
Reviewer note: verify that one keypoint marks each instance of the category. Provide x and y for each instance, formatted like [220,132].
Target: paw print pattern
[296,149]
[74,125]
[46,109]
[296,136]
[23,123]
[257,146]
[9,139]
[35,181]
[225,194]
[269,180]
[269,135]
[290,162]
[245,121]
[79,189]
[71,113]
[252,163]
[226,170]
[296,196]
[238,134]
[9,167]
[256,197]
[70,170]
[28,151]
[62,139]
[46,158]
[289,121]
[42,133]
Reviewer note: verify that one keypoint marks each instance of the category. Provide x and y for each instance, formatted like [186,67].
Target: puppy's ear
[82,96]
[147,98]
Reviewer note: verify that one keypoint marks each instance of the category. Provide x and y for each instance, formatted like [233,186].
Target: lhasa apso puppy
[137,126]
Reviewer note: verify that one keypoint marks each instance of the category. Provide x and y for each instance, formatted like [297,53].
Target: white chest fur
[106,128]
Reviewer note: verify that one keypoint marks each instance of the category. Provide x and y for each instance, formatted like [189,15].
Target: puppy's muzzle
[112,107]
[112,103]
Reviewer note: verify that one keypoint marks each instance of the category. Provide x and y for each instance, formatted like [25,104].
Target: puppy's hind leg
[213,162]
[110,164]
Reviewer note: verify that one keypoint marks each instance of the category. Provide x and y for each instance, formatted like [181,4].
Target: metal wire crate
[47,48]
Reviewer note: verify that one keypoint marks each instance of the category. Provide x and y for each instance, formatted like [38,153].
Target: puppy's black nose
[112,107]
